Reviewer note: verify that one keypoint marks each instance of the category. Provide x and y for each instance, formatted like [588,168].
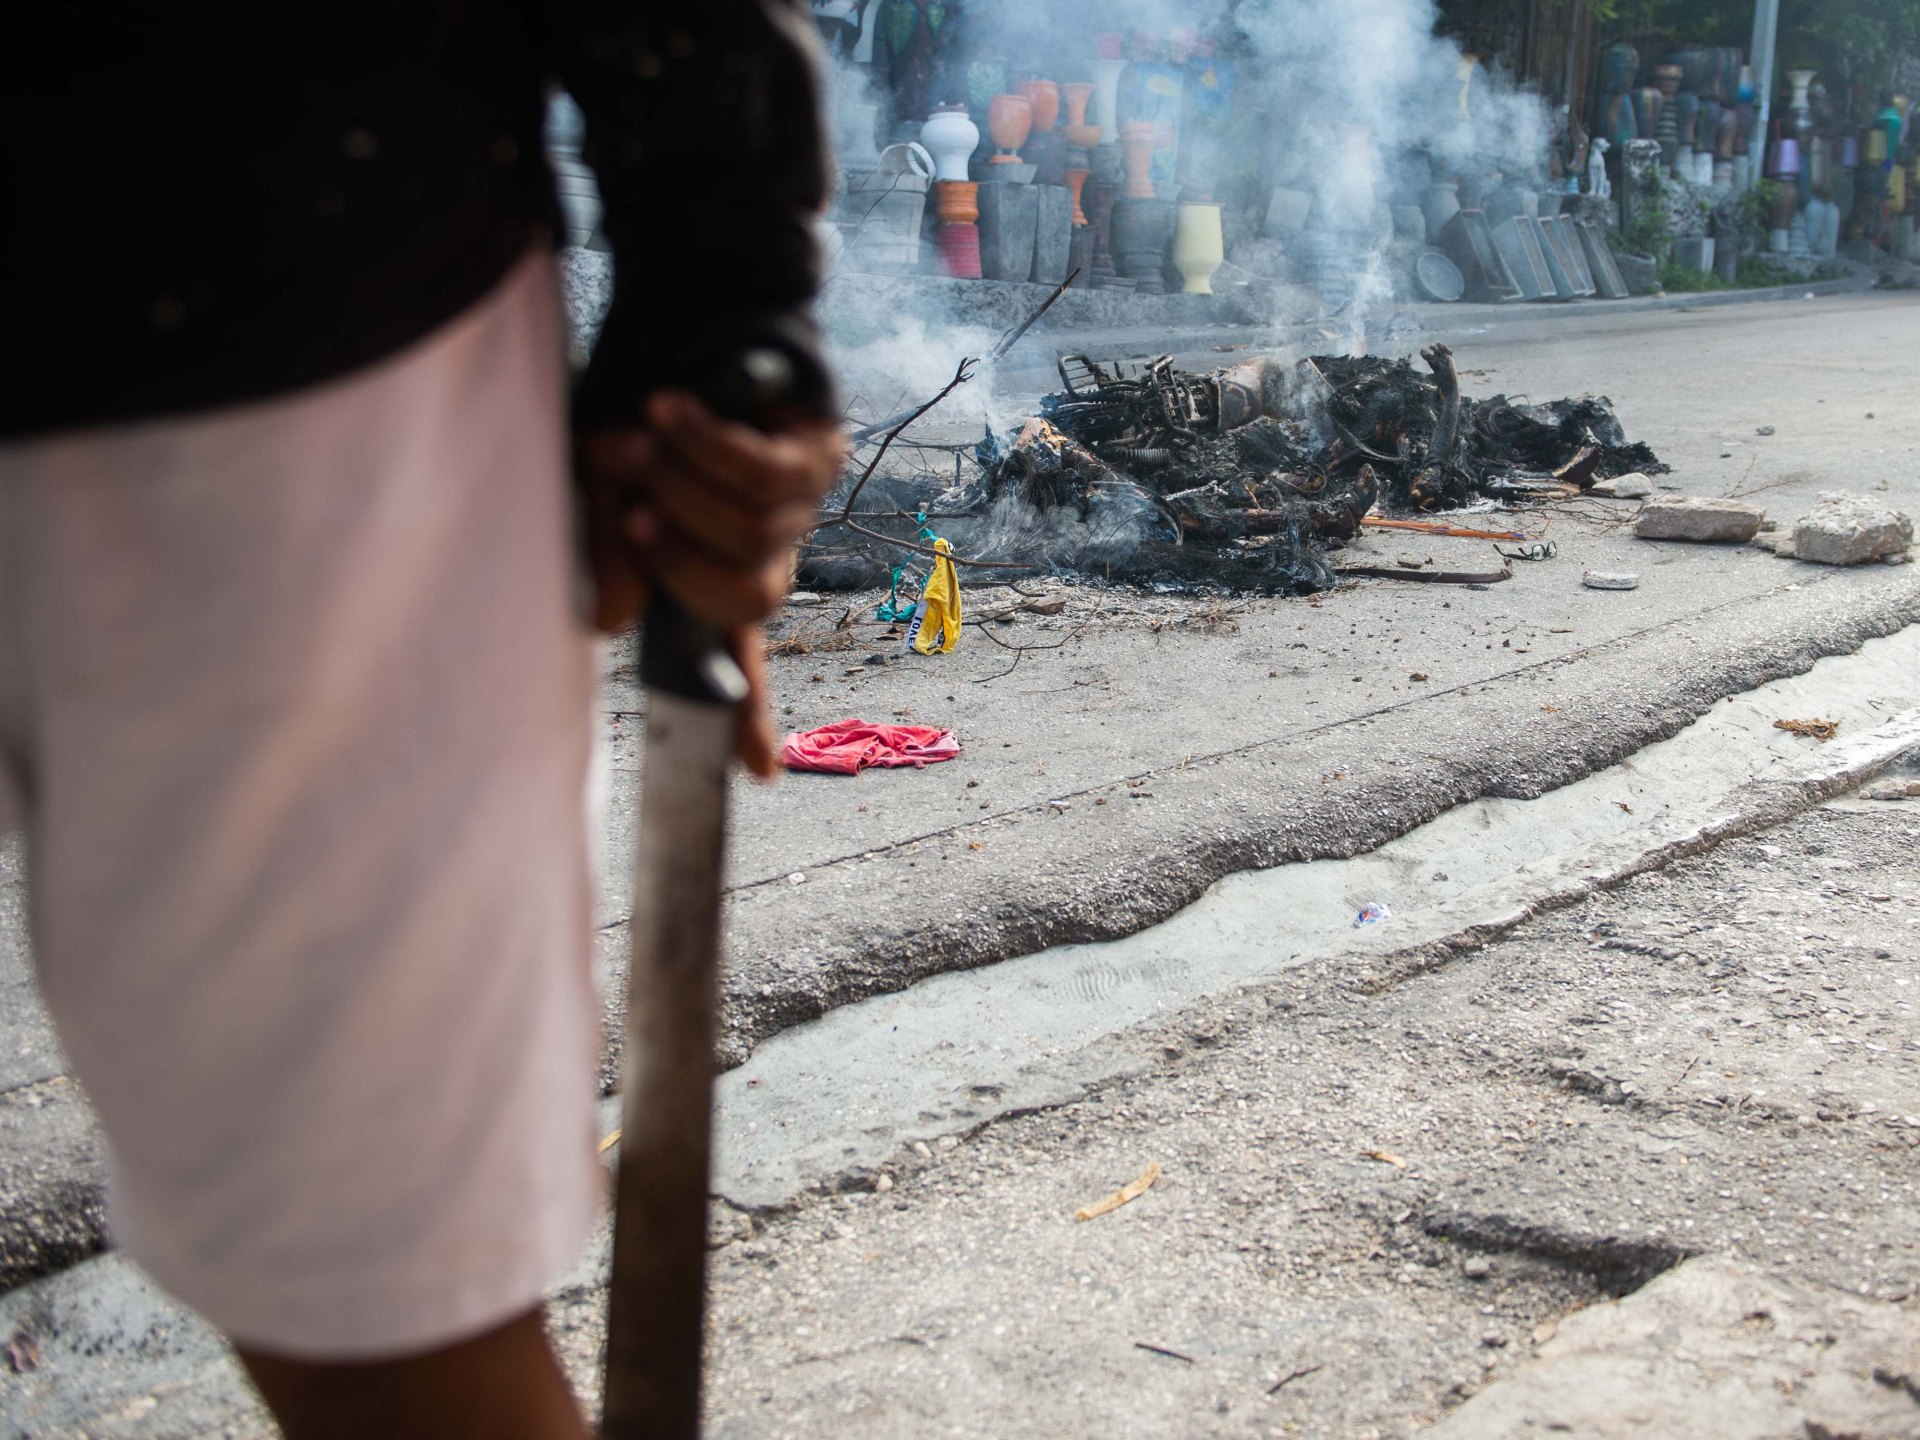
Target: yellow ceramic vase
[1198,247]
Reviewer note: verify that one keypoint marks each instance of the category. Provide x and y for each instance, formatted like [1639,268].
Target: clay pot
[1443,203]
[1078,131]
[956,202]
[1668,78]
[951,138]
[1009,122]
[1137,143]
[1198,247]
[1045,96]
[1076,181]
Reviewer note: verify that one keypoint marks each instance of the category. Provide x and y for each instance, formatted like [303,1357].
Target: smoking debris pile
[1241,479]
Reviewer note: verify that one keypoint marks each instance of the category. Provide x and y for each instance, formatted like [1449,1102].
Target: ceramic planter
[1198,247]
[1045,96]
[1141,229]
[951,139]
[957,203]
[1009,122]
[1136,147]
[1078,131]
[885,208]
[1076,183]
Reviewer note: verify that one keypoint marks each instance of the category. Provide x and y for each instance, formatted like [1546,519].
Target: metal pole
[1766,29]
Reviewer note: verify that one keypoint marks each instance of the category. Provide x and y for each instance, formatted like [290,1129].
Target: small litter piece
[1821,730]
[847,747]
[23,1353]
[1610,580]
[1126,1193]
[611,1139]
[1373,914]
[1385,1157]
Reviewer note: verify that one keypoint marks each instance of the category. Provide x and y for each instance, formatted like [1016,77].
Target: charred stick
[1446,433]
[1007,340]
[962,373]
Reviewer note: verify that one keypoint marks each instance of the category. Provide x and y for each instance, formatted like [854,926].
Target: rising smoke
[1346,108]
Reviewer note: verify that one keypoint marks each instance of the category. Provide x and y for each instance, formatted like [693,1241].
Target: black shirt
[206,204]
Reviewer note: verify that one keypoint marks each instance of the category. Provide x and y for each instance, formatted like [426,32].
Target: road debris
[1847,529]
[847,747]
[1631,486]
[1239,479]
[1167,1351]
[1699,519]
[1373,913]
[1126,1194]
[1610,580]
[23,1353]
[1385,1157]
[1300,1374]
[1821,730]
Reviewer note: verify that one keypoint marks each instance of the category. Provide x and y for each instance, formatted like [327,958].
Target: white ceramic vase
[1106,98]
[951,138]
[1197,247]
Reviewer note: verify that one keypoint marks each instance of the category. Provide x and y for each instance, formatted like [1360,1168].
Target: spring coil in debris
[1146,457]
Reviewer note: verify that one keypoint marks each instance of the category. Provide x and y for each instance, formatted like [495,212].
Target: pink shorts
[296,712]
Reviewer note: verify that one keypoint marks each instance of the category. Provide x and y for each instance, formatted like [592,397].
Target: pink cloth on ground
[847,747]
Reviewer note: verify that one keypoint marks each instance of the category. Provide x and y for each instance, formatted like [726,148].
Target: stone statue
[1597,183]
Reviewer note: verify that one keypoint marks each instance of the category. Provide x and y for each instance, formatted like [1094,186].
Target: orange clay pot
[1078,131]
[1075,179]
[1009,122]
[957,202]
[1045,96]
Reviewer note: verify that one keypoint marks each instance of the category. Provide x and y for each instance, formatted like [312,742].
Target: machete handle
[681,654]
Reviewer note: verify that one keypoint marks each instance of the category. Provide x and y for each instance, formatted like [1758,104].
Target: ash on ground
[1239,480]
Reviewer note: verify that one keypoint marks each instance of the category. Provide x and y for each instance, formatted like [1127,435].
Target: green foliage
[1651,232]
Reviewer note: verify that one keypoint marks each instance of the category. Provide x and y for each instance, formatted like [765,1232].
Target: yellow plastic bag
[936,619]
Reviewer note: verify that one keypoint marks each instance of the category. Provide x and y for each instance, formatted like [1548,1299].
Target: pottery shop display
[1141,228]
[1052,235]
[1009,122]
[957,237]
[1198,247]
[884,209]
[1009,215]
[1048,147]
[951,138]
[1798,124]
[1077,130]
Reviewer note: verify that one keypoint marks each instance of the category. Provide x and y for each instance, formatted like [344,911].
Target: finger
[720,526]
[721,594]
[754,742]
[792,463]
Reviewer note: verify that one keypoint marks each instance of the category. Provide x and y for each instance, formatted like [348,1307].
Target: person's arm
[703,125]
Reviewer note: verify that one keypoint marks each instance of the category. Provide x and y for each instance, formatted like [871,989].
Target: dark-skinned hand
[711,510]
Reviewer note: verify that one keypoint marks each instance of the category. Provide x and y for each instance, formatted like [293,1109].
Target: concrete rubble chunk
[1699,518]
[1631,486]
[1847,529]
[1710,1351]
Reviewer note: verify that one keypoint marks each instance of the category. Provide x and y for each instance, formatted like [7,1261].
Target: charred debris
[1241,479]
